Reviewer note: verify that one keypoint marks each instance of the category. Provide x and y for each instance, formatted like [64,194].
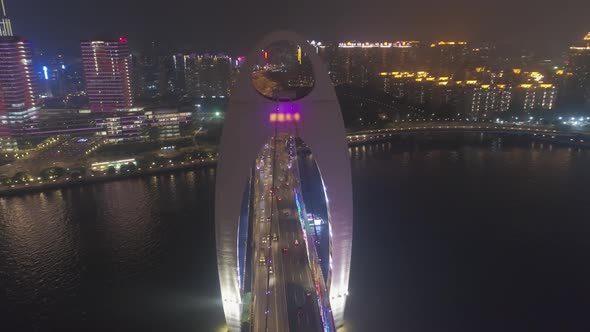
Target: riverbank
[354,139]
[92,179]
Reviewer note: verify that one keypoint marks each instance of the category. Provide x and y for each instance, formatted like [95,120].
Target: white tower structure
[251,121]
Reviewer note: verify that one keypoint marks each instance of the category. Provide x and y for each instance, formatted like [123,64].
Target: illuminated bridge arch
[249,124]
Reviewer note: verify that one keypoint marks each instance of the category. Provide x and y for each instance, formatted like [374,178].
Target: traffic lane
[261,299]
[295,268]
[273,300]
[278,296]
[303,313]
[264,301]
[296,299]
[301,317]
[279,303]
[261,272]
[260,292]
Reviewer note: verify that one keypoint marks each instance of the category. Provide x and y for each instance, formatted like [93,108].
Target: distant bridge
[545,134]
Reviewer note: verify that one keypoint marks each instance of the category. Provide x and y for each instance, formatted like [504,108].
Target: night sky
[57,25]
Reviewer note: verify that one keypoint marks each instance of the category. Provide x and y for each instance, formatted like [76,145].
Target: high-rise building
[58,75]
[5,24]
[484,101]
[107,68]
[157,74]
[18,107]
[4,127]
[17,83]
[534,97]
[143,85]
[208,75]
[360,63]
[166,75]
[576,90]
[51,75]
[447,57]
[180,61]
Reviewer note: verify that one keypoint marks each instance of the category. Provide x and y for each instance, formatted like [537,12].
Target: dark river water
[453,232]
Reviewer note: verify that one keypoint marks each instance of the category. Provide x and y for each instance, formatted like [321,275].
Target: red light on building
[122,40]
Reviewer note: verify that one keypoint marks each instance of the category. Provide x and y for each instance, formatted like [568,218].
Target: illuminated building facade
[447,57]
[166,124]
[5,24]
[116,164]
[534,97]
[471,97]
[123,126]
[53,122]
[401,83]
[359,63]
[107,69]
[485,100]
[53,78]
[18,109]
[7,143]
[577,81]
[179,62]
[418,92]
[207,76]
[248,126]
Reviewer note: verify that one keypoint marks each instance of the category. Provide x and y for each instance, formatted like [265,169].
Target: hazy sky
[58,25]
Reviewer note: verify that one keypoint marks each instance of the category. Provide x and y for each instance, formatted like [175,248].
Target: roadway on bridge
[302,305]
[268,289]
[292,302]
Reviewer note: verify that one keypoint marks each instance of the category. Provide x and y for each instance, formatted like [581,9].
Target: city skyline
[163,169]
[117,92]
[220,26]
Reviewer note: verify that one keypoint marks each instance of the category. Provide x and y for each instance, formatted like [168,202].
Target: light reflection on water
[83,258]
[453,232]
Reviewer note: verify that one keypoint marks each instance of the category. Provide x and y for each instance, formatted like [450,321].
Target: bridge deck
[291,303]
